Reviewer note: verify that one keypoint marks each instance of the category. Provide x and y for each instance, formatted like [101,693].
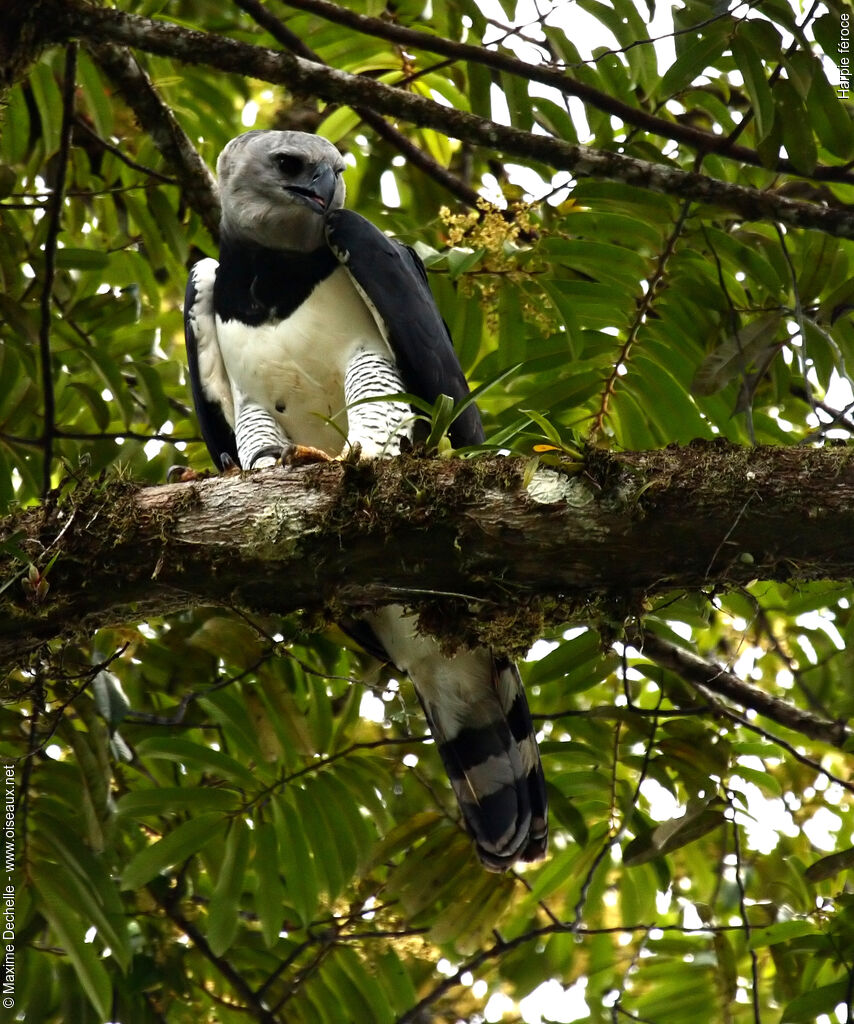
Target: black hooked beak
[319,190]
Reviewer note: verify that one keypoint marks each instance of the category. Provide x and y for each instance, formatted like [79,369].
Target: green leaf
[554,118]
[109,372]
[705,47]
[396,980]
[110,699]
[798,135]
[783,931]
[70,932]
[317,825]
[828,116]
[97,406]
[176,846]
[48,101]
[16,128]
[175,748]
[442,417]
[320,713]
[270,892]
[167,223]
[96,95]
[230,639]
[339,124]
[755,82]
[671,835]
[351,994]
[830,866]
[153,393]
[225,901]
[404,836]
[764,780]
[231,712]
[87,887]
[165,800]
[565,658]
[81,259]
[811,1005]
[7,180]
[296,860]
[460,261]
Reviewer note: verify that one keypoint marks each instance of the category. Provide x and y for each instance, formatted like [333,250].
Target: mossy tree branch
[461,540]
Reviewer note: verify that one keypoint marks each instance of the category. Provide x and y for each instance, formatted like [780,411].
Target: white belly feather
[295,368]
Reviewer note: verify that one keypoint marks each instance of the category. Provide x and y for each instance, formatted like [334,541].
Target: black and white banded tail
[494,766]
[479,718]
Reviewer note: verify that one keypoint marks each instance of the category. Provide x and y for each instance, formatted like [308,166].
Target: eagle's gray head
[277,187]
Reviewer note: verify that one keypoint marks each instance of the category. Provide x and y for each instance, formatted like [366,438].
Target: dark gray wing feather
[218,435]
[393,279]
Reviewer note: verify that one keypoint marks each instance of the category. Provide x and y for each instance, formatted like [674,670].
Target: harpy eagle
[310,309]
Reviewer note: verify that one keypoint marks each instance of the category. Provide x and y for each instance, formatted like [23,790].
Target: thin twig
[125,159]
[54,222]
[155,116]
[72,435]
[641,314]
[708,674]
[253,1004]
[618,832]
[742,902]
[58,712]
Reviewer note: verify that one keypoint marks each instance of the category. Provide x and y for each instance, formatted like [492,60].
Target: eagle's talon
[184,475]
[301,455]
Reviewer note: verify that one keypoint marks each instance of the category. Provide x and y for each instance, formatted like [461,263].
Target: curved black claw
[267,457]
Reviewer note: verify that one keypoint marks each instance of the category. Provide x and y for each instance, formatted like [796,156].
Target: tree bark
[482,558]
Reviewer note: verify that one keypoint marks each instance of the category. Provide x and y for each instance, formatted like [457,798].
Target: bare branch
[719,680]
[701,141]
[157,119]
[50,246]
[121,155]
[307,77]
[254,1004]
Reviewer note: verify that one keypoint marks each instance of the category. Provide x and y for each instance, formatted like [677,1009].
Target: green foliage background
[207,827]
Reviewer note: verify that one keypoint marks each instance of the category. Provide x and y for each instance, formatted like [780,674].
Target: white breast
[295,368]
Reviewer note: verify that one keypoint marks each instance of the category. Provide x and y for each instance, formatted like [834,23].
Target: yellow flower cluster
[497,232]
[487,227]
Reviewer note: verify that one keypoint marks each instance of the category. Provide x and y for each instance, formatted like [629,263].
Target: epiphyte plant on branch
[224,810]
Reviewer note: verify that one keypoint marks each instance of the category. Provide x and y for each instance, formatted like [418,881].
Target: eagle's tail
[490,753]
[480,721]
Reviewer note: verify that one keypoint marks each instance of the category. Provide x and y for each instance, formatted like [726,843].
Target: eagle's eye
[289,165]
